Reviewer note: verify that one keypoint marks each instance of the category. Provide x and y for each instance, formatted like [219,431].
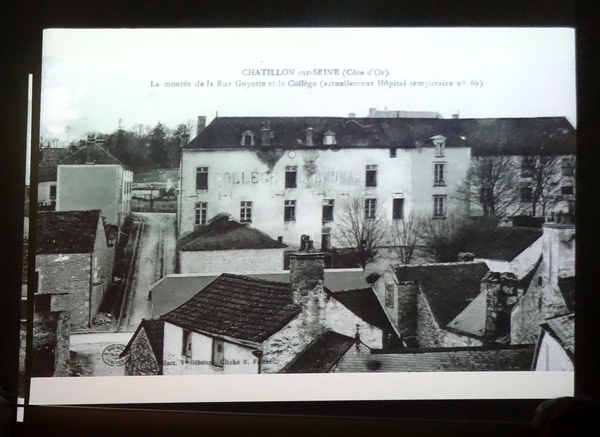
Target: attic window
[248,138]
[329,138]
[439,141]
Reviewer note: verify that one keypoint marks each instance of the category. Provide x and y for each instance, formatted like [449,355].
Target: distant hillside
[158,175]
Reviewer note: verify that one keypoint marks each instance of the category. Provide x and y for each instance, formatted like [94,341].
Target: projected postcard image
[253,208]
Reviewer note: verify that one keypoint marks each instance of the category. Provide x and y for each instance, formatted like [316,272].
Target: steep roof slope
[238,307]
[321,355]
[225,234]
[448,287]
[488,136]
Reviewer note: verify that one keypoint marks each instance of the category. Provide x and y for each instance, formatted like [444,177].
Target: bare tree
[492,183]
[362,229]
[544,176]
[406,237]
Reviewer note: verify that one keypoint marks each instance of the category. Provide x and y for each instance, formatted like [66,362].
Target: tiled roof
[47,173]
[155,331]
[448,287]
[239,307]
[66,231]
[567,289]
[472,320]
[505,243]
[225,234]
[562,328]
[488,136]
[452,359]
[100,155]
[321,355]
[364,304]
[173,290]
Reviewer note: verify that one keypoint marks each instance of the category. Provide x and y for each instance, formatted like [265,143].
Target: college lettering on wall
[338,177]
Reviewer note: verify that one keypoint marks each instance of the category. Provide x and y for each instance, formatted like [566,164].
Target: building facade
[91,178]
[294,176]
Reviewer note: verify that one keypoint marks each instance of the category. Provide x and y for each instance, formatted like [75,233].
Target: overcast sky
[93,78]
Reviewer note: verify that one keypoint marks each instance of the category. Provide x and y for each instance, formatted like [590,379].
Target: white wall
[247,260]
[552,356]
[238,359]
[239,175]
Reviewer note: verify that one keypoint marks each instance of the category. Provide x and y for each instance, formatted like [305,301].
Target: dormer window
[248,138]
[329,138]
[439,141]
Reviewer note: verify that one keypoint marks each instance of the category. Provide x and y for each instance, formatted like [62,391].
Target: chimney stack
[501,289]
[90,150]
[309,136]
[265,134]
[201,124]
[307,269]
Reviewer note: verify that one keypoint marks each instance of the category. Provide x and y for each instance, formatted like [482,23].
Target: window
[392,153]
[568,167]
[326,239]
[486,196]
[527,167]
[245,212]
[439,206]
[526,195]
[248,138]
[290,176]
[329,138]
[42,303]
[186,344]
[289,212]
[202,178]
[327,210]
[398,209]
[438,171]
[389,295]
[200,214]
[566,190]
[370,207]
[218,353]
[52,191]
[371,178]
[439,149]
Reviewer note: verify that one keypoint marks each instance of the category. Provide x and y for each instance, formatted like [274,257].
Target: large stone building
[91,178]
[290,176]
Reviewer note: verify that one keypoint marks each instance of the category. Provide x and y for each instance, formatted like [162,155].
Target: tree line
[142,148]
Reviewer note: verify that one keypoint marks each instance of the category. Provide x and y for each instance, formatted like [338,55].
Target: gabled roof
[66,231]
[505,243]
[448,287]
[562,329]
[450,359]
[155,332]
[364,303]
[225,234]
[321,355]
[173,290]
[567,289]
[238,307]
[488,136]
[100,154]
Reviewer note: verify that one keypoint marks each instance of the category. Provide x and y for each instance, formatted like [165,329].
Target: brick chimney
[201,124]
[501,288]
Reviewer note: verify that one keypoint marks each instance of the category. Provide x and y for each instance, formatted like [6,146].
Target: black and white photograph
[376,213]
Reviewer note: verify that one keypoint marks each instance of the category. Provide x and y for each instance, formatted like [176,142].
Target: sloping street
[154,259]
